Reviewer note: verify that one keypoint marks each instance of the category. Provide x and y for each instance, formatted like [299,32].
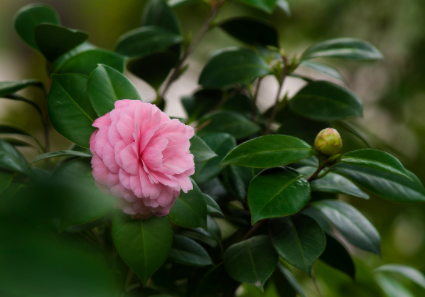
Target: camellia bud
[328,142]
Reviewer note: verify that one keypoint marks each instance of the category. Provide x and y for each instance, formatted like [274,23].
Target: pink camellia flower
[142,156]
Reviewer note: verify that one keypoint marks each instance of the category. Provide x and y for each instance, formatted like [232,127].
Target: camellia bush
[226,201]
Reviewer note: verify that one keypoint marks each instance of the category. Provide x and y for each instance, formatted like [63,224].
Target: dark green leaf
[69,108]
[201,102]
[324,101]
[18,142]
[154,68]
[66,153]
[158,13]
[107,85]
[4,129]
[343,48]
[408,272]
[12,160]
[216,281]
[146,40]
[142,244]
[29,16]
[374,159]
[85,61]
[277,192]
[264,5]
[228,122]
[298,239]
[75,168]
[231,66]
[200,150]
[386,185]
[251,261]
[252,31]
[240,103]
[188,252]
[22,99]
[212,206]
[237,179]
[53,40]
[10,87]
[325,69]
[221,144]
[269,151]
[286,283]
[319,218]
[337,256]
[350,128]
[351,223]
[5,180]
[190,209]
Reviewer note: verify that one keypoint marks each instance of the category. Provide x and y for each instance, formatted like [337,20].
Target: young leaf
[221,144]
[228,122]
[53,40]
[286,283]
[231,66]
[298,239]
[375,159]
[212,206]
[10,87]
[158,13]
[107,85]
[343,48]
[269,151]
[65,153]
[12,160]
[386,185]
[325,69]
[408,272]
[277,192]
[216,281]
[142,244]
[324,101]
[190,209]
[351,223]
[69,108]
[200,150]
[187,252]
[251,261]
[251,31]
[29,16]
[85,61]
[337,256]
[264,5]
[146,40]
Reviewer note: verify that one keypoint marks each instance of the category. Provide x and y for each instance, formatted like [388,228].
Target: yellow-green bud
[328,142]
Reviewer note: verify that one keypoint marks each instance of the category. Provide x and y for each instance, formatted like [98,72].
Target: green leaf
[5,180]
[239,103]
[284,5]
[333,183]
[251,261]
[343,48]
[84,62]
[146,40]
[29,16]
[286,283]
[69,108]
[277,192]
[179,3]
[350,128]
[107,85]
[190,209]
[65,153]
[216,281]
[154,68]
[264,5]
[188,252]
[158,13]
[221,144]
[201,102]
[406,271]
[12,160]
[392,287]
[252,31]
[18,142]
[212,206]
[269,151]
[298,239]
[22,99]
[386,185]
[75,168]
[237,180]
[231,66]
[4,129]
[324,101]
[375,159]
[337,256]
[10,87]
[325,69]
[228,122]
[142,244]
[200,150]
[319,218]
[53,40]
[355,227]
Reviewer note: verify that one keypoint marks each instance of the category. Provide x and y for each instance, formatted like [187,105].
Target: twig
[316,173]
[255,97]
[276,104]
[253,229]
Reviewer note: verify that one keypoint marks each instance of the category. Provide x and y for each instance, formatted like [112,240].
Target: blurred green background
[393,90]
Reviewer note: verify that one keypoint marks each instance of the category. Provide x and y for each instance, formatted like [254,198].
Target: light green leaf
[392,287]
[325,69]
[406,271]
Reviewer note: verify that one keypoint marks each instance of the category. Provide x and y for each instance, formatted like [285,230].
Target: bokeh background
[393,90]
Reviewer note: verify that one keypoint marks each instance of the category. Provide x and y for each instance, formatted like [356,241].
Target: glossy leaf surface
[188,252]
[325,69]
